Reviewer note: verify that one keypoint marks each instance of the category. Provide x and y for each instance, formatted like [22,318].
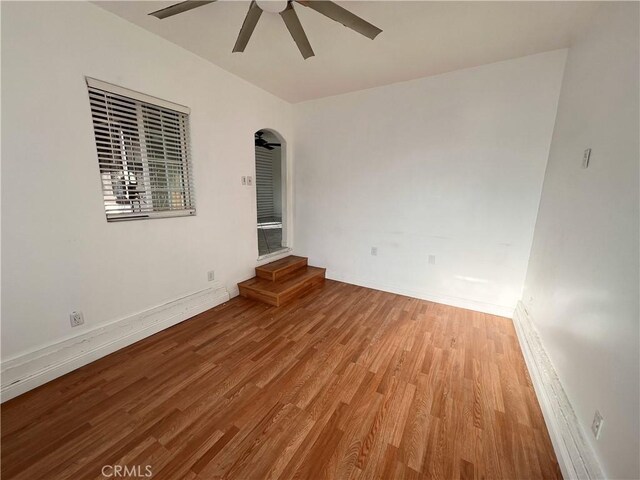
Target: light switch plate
[243,180]
[249,181]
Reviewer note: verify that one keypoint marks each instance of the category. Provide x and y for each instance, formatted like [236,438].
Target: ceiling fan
[261,142]
[288,14]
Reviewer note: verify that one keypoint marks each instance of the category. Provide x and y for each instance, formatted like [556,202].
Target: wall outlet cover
[585,158]
[596,426]
[374,251]
[76,318]
[211,276]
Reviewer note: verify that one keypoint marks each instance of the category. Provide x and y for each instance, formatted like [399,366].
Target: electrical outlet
[432,259]
[596,426]
[249,181]
[585,158]
[374,251]
[243,179]
[76,318]
[211,276]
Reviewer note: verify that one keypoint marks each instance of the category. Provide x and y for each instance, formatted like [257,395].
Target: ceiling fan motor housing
[272,6]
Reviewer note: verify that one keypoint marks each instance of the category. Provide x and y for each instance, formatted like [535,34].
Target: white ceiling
[419,39]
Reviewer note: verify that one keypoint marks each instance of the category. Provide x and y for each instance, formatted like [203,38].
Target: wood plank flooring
[343,383]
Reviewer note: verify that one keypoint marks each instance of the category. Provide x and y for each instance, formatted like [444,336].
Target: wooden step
[284,289]
[280,268]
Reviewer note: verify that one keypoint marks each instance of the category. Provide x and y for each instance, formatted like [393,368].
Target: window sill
[275,254]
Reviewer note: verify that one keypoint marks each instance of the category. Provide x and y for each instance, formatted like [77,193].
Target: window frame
[131,149]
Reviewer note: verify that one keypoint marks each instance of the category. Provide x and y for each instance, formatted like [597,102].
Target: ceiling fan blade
[343,16]
[179,8]
[249,24]
[294,26]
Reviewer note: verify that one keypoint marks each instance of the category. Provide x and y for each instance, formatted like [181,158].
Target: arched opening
[270,192]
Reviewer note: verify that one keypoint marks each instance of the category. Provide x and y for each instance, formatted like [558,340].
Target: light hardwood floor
[343,383]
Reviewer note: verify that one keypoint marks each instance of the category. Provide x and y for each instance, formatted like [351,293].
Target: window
[143,153]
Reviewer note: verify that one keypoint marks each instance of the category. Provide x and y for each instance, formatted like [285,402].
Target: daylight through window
[143,154]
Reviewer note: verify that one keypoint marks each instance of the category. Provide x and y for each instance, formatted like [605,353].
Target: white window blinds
[143,153]
[264,185]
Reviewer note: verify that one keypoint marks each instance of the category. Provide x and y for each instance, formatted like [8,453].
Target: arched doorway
[270,191]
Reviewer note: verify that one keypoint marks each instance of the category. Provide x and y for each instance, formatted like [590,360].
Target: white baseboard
[575,456]
[25,372]
[501,310]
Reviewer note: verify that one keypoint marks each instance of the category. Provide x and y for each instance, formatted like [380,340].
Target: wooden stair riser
[283,290]
[264,271]
[261,296]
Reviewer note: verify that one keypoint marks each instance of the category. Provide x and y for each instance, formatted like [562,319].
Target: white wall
[59,254]
[450,166]
[582,284]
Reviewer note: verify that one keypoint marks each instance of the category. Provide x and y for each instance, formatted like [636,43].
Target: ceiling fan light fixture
[272,6]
